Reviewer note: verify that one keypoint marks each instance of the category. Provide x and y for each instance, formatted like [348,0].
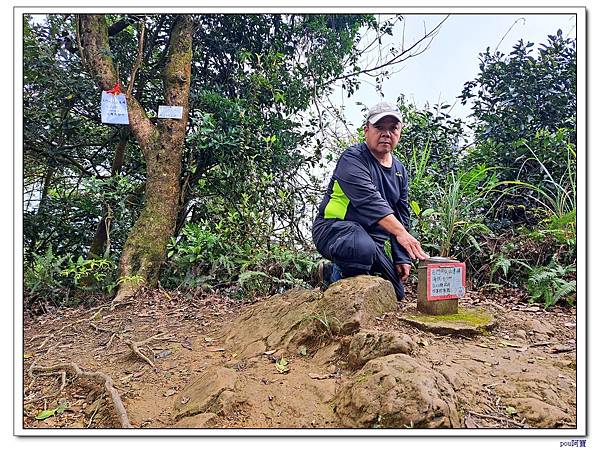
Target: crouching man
[366,204]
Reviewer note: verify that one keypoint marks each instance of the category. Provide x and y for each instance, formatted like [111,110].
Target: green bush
[217,256]
[57,279]
[94,274]
[43,276]
[451,223]
[552,283]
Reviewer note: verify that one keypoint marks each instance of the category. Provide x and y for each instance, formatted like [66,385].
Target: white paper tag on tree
[113,108]
[170,112]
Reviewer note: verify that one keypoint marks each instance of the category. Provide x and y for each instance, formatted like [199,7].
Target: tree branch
[401,57]
[138,61]
[96,51]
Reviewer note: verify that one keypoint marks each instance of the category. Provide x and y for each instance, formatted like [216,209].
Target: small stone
[539,327]
[561,349]
[164,354]
[521,334]
[204,420]
[318,376]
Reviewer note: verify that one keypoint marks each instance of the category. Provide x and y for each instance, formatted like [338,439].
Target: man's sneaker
[328,273]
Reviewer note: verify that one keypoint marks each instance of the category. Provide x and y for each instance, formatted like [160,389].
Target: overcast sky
[452,59]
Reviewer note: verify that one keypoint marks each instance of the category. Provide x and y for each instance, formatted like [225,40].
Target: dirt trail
[521,374]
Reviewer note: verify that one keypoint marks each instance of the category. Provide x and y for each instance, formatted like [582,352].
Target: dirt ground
[521,374]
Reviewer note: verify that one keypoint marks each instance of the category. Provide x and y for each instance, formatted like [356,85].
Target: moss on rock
[466,321]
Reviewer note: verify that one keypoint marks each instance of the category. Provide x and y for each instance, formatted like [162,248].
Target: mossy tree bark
[161,144]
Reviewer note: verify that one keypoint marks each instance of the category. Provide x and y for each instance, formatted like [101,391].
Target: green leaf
[245,276]
[61,408]
[46,413]
[282,365]
[511,410]
[415,207]
[428,212]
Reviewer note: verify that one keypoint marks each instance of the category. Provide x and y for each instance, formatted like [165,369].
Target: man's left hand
[403,271]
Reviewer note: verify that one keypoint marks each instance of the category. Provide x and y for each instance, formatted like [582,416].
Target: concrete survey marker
[442,282]
[466,321]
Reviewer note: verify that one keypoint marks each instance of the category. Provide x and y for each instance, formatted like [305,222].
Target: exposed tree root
[502,419]
[54,333]
[63,384]
[135,347]
[96,376]
[124,294]
[136,351]
[112,337]
[98,328]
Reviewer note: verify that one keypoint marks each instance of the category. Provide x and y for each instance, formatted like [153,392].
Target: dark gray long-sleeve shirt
[364,191]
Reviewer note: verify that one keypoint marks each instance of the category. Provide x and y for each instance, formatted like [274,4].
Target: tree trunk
[97,249]
[147,242]
[161,144]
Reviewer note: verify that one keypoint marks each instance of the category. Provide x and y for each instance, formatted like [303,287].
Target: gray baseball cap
[380,110]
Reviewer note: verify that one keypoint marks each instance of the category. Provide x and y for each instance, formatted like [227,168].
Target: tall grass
[557,198]
[461,208]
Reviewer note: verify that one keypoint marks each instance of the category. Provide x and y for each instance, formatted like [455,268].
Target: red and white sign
[446,281]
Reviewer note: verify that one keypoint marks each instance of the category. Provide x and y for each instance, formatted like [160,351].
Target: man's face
[383,136]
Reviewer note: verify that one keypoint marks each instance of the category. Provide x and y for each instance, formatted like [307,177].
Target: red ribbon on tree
[116,90]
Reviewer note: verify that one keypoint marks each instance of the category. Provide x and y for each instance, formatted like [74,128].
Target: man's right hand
[411,245]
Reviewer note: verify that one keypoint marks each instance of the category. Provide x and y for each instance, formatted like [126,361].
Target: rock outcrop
[395,391]
[368,345]
[213,392]
[539,413]
[308,317]
[382,380]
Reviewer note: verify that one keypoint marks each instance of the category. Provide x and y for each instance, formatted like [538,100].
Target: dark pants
[354,251]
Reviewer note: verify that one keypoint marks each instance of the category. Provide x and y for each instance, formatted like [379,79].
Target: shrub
[43,276]
[56,279]
[215,256]
[552,283]
[451,224]
[94,274]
